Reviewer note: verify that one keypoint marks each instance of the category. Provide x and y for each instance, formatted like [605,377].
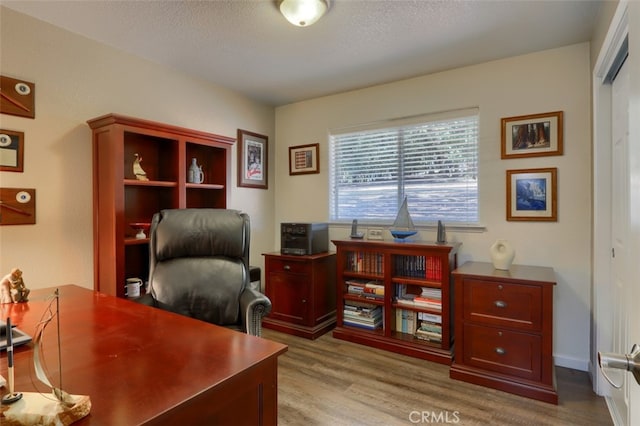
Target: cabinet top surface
[409,244]
[111,119]
[299,257]
[515,273]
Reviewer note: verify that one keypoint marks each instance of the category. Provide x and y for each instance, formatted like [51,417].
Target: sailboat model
[57,408]
[403,226]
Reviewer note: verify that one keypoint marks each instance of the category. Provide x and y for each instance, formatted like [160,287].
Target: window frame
[405,125]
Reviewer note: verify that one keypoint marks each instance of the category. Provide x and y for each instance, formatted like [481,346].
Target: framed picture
[18,97]
[11,150]
[532,135]
[252,160]
[303,159]
[532,195]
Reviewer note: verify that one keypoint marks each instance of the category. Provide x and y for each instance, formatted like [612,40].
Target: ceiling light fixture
[303,13]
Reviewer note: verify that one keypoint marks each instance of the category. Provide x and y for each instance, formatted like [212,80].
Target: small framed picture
[18,97]
[252,160]
[303,159]
[534,135]
[11,151]
[532,195]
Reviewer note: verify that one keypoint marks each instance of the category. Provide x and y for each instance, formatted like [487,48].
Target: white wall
[77,79]
[557,79]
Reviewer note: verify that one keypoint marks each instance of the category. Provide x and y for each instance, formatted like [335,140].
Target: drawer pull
[500,351]
[287,268]
[500,304]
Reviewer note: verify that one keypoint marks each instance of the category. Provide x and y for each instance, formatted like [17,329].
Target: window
[432,160]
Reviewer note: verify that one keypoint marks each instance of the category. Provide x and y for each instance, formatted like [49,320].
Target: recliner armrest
[146,299]
[253,306]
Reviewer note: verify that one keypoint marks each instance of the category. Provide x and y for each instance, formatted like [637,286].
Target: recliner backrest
[199,262]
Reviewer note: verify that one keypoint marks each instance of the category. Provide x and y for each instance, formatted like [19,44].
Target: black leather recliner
[199,267]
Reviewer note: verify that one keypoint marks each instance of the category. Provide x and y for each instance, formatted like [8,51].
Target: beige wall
[77,79]
[605,14]
[557,79]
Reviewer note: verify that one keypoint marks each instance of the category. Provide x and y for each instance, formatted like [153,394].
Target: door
[621,280]
[616,246]
[289,294]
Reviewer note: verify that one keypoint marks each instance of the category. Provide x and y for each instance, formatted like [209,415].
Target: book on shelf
[361,312]
[407,301]
[427,267]
[362,287]
[403,292]
[431,293]
[361,325]
[360,303]
[428,335]
[406,321]
[430,326]
[435,304]
[420,302]
[426,316]
[364,262]
[370,321]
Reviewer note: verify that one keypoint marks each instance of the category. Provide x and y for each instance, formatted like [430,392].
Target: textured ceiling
[247,46]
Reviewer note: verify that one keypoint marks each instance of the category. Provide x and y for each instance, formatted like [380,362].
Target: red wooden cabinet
[504,329]
[302,293]
[120,199]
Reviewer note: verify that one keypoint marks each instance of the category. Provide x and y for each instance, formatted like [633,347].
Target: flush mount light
[303,13]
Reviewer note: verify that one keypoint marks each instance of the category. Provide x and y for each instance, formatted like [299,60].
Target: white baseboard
[573,363]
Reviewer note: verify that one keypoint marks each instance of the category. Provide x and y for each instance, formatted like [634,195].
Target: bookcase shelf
[120,199]
[396,296]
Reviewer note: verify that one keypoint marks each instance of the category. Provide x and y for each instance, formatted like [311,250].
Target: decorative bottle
[194,172]
[502,254]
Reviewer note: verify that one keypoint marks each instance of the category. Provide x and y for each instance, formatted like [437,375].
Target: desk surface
[135,362]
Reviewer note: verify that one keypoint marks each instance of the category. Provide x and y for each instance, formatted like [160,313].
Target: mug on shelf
[132,287]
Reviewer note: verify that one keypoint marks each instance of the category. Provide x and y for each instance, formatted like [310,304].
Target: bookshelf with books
[396,296]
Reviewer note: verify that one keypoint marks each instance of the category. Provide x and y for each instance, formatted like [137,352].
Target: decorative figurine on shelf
[403,226]
[442,235]
[12,288]
[196,175]
[137,168]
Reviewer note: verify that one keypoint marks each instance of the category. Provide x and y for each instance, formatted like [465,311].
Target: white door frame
[602,306]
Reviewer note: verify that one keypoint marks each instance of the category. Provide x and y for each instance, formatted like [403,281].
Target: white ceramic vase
[502,254]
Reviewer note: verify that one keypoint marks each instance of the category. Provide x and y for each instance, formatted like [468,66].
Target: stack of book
[430,328]
[430,298]
[362,315]
[367,289]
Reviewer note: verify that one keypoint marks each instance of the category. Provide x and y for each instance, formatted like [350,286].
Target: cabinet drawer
[506,305]
[289,265]
[509,352]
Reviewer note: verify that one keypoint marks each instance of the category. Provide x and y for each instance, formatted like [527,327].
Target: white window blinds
[432,160]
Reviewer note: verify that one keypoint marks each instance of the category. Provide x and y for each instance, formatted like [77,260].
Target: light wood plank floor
[333,382]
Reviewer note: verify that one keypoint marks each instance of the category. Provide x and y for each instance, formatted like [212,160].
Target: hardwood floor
[333,382]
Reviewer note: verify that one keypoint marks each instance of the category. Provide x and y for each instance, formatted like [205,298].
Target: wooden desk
[144,365]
